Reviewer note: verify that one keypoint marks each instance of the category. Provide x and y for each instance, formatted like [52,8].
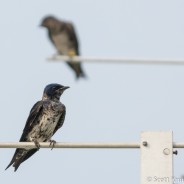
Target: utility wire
[122,60]
[78,145]
[68,145]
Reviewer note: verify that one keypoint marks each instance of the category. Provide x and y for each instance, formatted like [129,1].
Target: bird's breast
[48,124]
[62,43]
[43,131]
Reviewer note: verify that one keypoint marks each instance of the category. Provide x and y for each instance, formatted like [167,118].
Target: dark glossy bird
[62,34]
[45,118]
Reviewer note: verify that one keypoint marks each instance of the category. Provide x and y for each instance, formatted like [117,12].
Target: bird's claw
[37,144]
[52,143]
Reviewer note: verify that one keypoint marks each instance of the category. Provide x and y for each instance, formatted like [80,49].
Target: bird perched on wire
[45,118]
[62,34]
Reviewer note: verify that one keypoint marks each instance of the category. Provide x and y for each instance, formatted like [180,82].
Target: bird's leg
[71,53]
[36,144]
[52,143]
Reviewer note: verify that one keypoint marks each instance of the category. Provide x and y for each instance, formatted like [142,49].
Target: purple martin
[62,34]
[45,118]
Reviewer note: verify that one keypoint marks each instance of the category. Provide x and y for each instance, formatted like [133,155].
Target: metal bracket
[156,157]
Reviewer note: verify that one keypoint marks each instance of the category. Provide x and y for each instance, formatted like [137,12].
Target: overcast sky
[114,104]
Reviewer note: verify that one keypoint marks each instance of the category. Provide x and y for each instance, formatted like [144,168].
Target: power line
[78,145]
[68,145]
[122,60]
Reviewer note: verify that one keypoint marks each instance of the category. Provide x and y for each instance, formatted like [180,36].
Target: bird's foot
[71,53]
[37,144]
[52,143]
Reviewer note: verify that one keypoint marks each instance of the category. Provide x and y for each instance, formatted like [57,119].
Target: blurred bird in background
[45,118]
[62,34]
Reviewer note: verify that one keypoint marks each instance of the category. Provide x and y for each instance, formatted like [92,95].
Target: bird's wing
[50,37]
[61,120]
[72,35]
[35,112]
[21,154]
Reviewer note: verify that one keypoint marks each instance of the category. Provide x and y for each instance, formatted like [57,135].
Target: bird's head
[54,91]
[49,22]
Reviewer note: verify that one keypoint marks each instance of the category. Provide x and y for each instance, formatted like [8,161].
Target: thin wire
[178,145]
[117,60]
[68,145]
[77,145]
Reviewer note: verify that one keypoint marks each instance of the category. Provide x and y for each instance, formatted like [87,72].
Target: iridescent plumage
[45,118]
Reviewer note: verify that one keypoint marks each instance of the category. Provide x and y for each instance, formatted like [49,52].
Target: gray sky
[117,101]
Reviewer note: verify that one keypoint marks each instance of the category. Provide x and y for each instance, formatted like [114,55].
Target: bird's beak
[62,89]
[42,25]
[65,87]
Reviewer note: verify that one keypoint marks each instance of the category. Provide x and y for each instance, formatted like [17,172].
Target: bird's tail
[20,156]
[80,73]
[77,68]
[17,158]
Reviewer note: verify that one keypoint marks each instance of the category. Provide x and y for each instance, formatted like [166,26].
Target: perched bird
[62,35]
[45,118]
